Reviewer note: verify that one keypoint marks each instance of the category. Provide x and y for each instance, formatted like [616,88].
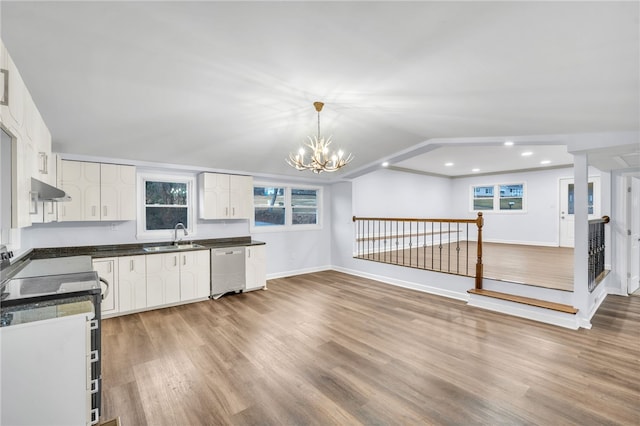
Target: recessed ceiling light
[448,164]
[545,162]
[526,153]
[385,164]
[475,170]
[508,143]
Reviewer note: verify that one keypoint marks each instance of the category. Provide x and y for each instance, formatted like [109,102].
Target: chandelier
[321,159]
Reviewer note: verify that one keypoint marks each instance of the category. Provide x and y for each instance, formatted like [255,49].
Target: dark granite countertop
[137,248]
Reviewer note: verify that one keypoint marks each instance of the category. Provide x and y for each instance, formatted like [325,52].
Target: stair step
[525,300]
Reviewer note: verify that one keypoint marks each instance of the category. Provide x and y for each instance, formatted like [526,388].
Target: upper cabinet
[225,196]
[21,119]
[98,191]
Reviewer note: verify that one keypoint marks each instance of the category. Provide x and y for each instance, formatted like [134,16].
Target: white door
[567,207]
[634,243]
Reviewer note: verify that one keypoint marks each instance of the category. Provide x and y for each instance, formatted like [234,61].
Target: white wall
[389,193]
[296,252]
[538,225]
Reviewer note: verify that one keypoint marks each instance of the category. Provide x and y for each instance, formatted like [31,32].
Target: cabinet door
[241,197]
[118,192]
[81,181]
[214,196]
[163,279]
[132,286]
[256,264]
[25,204]
[195,274]
[106,269]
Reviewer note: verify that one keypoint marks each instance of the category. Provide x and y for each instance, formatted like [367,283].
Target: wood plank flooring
[330,348]
[550,267]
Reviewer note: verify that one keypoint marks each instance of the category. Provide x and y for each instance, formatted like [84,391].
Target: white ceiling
[230,85]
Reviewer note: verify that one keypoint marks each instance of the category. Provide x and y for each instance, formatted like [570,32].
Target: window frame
[141,179]
[288,212]
[496,198]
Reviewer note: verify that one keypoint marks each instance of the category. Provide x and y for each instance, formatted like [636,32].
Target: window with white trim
[508,197]
[165,201]
[281,207]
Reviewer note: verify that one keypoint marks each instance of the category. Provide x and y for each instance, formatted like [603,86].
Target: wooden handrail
[603,219]
[382,222]
[407,219]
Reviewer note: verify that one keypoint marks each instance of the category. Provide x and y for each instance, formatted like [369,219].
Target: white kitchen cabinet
[11,111]
[224,196]
[46,372]
[177,277]
[23,198]
[195,274]
[106,269]
[21,118]
[97,191]
[256,267]
[132,283]
[163,279]
[117,192]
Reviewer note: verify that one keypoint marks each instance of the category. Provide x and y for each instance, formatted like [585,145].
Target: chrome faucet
[175,232]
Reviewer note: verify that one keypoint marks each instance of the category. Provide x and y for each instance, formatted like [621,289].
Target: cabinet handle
[104,211]
[175,260]
[226,211]
[93,210]
[131,265]
[109,267]
[249,253]
[5,98]
[43,163]
[64,211]
[184,259]
[233,211]
[34,202]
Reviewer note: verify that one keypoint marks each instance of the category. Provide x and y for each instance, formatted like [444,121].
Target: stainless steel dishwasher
[227,271]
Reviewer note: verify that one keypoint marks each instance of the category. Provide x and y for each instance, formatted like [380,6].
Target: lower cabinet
[177,277]
[195,274]
[256,267]
[132,283]
[149,280]
[106,269]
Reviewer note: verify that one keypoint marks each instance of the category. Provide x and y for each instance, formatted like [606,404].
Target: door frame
[597,202]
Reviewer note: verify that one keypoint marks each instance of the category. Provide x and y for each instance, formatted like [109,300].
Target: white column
[581,250]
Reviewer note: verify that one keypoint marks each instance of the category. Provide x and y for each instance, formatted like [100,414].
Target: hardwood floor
[550,267]
[330,348]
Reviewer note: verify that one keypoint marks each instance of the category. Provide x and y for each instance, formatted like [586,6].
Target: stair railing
[597,250]
[442,245]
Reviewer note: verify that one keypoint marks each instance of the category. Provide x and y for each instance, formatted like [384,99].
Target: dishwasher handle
[226,252]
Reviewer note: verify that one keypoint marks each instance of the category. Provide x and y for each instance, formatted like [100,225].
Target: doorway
[567,207]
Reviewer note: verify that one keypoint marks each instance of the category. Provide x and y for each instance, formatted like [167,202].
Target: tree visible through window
[286,207]
[166,204]
[268,203]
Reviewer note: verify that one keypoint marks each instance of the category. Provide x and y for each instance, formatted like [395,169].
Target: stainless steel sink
[171,247]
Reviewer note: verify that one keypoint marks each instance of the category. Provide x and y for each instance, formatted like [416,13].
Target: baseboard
[298,272]
[523,243]
[405,284]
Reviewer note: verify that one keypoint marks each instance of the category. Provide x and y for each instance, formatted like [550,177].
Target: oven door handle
[106,292]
